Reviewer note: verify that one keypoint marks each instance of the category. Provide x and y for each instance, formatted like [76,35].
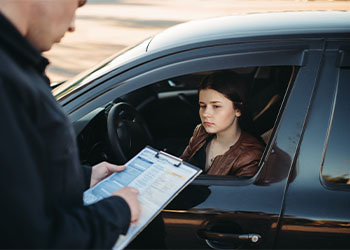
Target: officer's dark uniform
[41,179]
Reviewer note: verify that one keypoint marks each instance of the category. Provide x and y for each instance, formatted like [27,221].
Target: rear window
[336,164]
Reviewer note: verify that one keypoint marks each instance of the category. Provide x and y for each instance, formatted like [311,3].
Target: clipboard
[158,176]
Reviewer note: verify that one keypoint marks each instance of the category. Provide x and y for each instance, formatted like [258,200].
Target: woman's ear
[238,112]
[237,108]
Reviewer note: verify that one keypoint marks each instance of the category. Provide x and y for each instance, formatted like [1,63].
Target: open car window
[170,109]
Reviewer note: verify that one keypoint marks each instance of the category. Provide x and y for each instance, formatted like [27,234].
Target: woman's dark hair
[234,87]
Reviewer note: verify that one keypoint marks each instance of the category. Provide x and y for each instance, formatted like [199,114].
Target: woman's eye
[201,106]
[216,106]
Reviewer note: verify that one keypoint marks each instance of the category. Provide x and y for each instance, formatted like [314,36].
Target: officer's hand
[103,170]
[129,194]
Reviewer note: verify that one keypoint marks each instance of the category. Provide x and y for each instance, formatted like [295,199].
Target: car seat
[267,92]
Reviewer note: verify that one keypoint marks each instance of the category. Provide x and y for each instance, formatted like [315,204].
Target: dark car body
[299,198]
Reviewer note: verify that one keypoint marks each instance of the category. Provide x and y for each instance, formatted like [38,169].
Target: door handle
[228,237]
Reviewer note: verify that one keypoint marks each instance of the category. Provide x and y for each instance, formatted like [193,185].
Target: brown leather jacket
[242,159]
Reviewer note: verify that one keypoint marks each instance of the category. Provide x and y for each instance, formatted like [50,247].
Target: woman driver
[223,144]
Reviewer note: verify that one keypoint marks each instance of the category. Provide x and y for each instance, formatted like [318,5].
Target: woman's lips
[208,123]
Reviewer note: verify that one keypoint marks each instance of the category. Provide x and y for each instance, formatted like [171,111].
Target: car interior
[163,114]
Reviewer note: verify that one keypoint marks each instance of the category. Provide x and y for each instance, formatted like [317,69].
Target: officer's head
[42,22]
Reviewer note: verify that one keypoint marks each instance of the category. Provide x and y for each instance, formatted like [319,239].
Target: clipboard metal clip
[171,157]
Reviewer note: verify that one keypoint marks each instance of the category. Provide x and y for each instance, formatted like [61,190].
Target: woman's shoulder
[249,141]
[250,147]
[250,153]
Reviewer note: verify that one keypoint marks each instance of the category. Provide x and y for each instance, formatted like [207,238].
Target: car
[297,66]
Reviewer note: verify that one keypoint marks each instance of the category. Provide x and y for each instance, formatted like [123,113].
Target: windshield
[100,69]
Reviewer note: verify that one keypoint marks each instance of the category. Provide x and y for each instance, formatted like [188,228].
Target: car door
[231,212]
[317,201]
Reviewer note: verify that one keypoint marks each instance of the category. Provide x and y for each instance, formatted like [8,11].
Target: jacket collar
[19,47]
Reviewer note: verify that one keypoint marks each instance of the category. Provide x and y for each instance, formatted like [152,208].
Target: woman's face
[217,112]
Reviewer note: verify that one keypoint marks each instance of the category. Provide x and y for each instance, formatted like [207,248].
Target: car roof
[213,31]
[254,24]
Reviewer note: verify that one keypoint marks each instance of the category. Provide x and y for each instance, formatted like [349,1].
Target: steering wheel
[127,132]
